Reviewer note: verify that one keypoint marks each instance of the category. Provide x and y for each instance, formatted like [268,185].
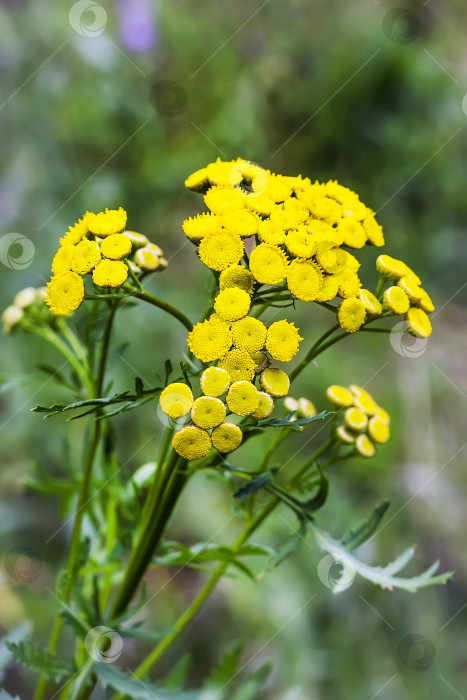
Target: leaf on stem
[290,422]
[110,677]
[40,661]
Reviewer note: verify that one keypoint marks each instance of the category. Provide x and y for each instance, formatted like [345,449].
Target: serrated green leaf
[40,661]
[168,371]
[110,677]
[290,423]
[358,535]
[18,634]
[383,576]
[260,482]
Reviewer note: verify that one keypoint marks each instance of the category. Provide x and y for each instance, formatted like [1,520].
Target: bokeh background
[115,105]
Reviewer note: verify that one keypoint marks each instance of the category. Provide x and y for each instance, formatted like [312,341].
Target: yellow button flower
[63,259]
[353,233]
[349,283]
[260,204]
[418,322]
[241,222]
[237,276]
[76,232]
[283,341]
[191,443]
[209,340]
[197,181]
[283,220]
[138,240]
[351,314]
[268,264]
[148,257]
[208,412]
[329,288]
[227,437]
[223,199]
[239,365]
[110,273]
[356,419]
[65,292]
[345,435]
[365,402]
[275,382]
[364,446]
[391,268]
[201,226]
[383,415]
[425,303]
[411,288]
[215,381]
[232,304]
[265,408]
[107,222]
[330,258]
[219,251]
[373,231]
[249,334]
[304,279]
[372,305]
[176,400]
[86,256]
[116,246]
[339,395]
[300,243]
[378,430]
[396,300]
[306,408]
[270,232]
[224,173]
[243,398]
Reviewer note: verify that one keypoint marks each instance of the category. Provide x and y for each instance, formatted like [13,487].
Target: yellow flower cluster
[302,234]
[301,228]
[364,424]
[405,295]
[97,245]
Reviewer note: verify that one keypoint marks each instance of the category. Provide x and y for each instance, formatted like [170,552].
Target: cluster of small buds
[364,423]
[28,303]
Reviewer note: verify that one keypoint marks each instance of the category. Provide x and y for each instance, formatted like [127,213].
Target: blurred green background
[116,105]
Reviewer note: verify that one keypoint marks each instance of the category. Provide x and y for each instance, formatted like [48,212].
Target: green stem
[83,499]
[155,301]
[188,615]
[151,533]
[133,276]
[380,287]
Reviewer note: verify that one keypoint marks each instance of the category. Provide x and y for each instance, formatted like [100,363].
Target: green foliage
[384,576]
[110,677]
[290,422]
[40,661]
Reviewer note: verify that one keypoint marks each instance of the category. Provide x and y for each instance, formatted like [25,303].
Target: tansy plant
[302,239]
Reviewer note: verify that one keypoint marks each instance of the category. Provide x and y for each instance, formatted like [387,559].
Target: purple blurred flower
[138,19]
